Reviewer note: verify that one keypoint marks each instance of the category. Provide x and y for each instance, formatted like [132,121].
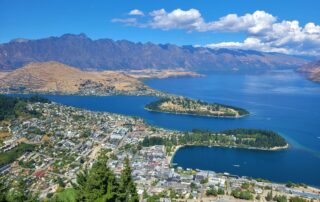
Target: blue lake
[280,101]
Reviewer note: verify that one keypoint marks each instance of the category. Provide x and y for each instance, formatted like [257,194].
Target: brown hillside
[54,77]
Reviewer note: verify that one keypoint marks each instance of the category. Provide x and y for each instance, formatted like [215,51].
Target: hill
[106,54]
[311,70]
[54,77]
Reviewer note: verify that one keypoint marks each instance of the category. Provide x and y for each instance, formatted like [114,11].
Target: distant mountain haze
[311,70]
[106,54]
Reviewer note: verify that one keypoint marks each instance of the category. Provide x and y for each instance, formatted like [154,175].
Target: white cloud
[254,23]
[177,19]
[311,28]
[264,32]
[136,12]
[249,44]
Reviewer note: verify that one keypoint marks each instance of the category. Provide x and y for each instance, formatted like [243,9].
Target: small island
[239,138]
[183,105]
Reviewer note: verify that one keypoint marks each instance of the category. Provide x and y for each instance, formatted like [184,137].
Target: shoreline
[176,148]
[156,94]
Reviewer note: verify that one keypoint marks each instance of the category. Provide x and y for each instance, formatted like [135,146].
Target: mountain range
[106,54]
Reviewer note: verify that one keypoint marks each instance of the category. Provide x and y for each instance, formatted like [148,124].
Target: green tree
[280,198]
[212,192]
[61,182]
[19,192]
[81,184]
[127,188]
[3,190]
[269,196]
[245,185]
[258,197]
[290,184]
[97,184]
[246,195]
[220,191]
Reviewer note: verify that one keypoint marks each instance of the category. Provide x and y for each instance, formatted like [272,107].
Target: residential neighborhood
[67,140]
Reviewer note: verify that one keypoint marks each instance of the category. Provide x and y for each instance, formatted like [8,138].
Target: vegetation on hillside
[13,154]
[14,107]
[257,137]
[237,137]
[16,191]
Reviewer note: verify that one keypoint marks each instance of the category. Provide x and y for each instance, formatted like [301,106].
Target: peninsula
[183,105]
[238,138]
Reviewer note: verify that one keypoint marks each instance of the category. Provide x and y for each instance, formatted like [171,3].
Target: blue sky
[110,19]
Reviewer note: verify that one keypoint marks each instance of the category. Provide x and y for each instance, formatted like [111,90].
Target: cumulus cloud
[255,23]
[249,43]
[136,12]
[177,19]
[264,31]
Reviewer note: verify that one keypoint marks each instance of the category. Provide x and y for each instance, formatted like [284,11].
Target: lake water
[280,101]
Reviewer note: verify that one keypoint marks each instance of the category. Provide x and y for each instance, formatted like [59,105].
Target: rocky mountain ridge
[106,54]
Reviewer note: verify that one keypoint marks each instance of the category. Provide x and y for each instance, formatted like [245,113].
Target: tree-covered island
[183,105]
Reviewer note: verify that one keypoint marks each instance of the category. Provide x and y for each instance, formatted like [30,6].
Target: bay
[281,101]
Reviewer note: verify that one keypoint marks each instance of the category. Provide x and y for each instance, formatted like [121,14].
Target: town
[66,139]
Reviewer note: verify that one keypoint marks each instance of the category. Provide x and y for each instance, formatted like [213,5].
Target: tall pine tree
[127,189]
[97,184]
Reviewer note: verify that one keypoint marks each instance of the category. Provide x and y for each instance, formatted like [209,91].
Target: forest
[13,107]
[256,138]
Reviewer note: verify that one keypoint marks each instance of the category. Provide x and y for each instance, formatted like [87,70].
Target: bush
[269,196]
[246,195]
[280,198]
[297,199]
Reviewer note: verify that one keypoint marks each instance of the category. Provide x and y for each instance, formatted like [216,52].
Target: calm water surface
[281,101]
